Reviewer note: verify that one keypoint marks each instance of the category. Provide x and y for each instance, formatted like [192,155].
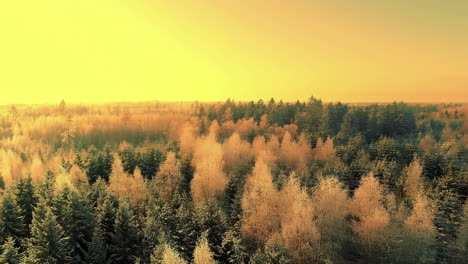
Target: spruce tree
[105,218]
[125,240]
[11,220]
[78,225]
[96,251]
[48,243]
[26,199]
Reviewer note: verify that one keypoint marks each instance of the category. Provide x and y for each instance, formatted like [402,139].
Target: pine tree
[125,240]
[48,243]
[11,220]
[10,254]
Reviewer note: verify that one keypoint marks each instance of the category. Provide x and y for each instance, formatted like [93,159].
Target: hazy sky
[133,50]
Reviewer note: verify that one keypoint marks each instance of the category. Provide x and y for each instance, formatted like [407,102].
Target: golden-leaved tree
[324,151]
[125,185]
[260,205]
[78,176]
[168,177]
[295,154]
[202,253]
[331,206]
[414,185]
[298,228]
[209,179]
[373,218]
[236,153]
[170,256]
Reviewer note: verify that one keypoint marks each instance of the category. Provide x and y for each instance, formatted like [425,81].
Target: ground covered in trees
[234,182]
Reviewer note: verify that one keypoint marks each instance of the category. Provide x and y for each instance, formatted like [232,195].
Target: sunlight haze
[141,50]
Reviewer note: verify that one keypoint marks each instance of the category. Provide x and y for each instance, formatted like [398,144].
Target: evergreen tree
[25,199]
[186,171]
[10,254]
[78,225]
[125,240]
[48,243]
[96,251]
[11,220]
[105,219]
[185,232]
[274,252]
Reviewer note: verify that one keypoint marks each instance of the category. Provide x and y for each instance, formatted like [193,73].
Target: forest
[234,182]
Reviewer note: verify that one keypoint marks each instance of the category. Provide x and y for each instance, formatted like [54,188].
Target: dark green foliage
[435,165]
[129,160]
[125,239]
[232,249]
[274,252]
[149,160]
[48,242]
[212,219]
[25,199]
[96,251]
[78,224]
[185,233]
[105,218]
[186,171]
[98,164]
[11,220]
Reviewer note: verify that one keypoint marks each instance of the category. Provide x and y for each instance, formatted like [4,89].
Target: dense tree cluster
[234,182]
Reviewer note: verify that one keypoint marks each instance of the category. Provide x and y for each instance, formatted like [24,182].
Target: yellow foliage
[209,179]
[202,253]
[420,220]
[187,139]
[373,217]
[331,206]
[427,143]
[78,176]
[298,229]
[168,177]
[11,166]
[260,204]
[295,154]
[62,181]
[236,153]
[324,151]
[170,256]
[37,169]
[124,185]
[414,185]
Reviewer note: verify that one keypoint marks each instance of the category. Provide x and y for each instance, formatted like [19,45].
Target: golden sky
[141,50]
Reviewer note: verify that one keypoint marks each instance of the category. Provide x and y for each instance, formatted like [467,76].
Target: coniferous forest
[234,182]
